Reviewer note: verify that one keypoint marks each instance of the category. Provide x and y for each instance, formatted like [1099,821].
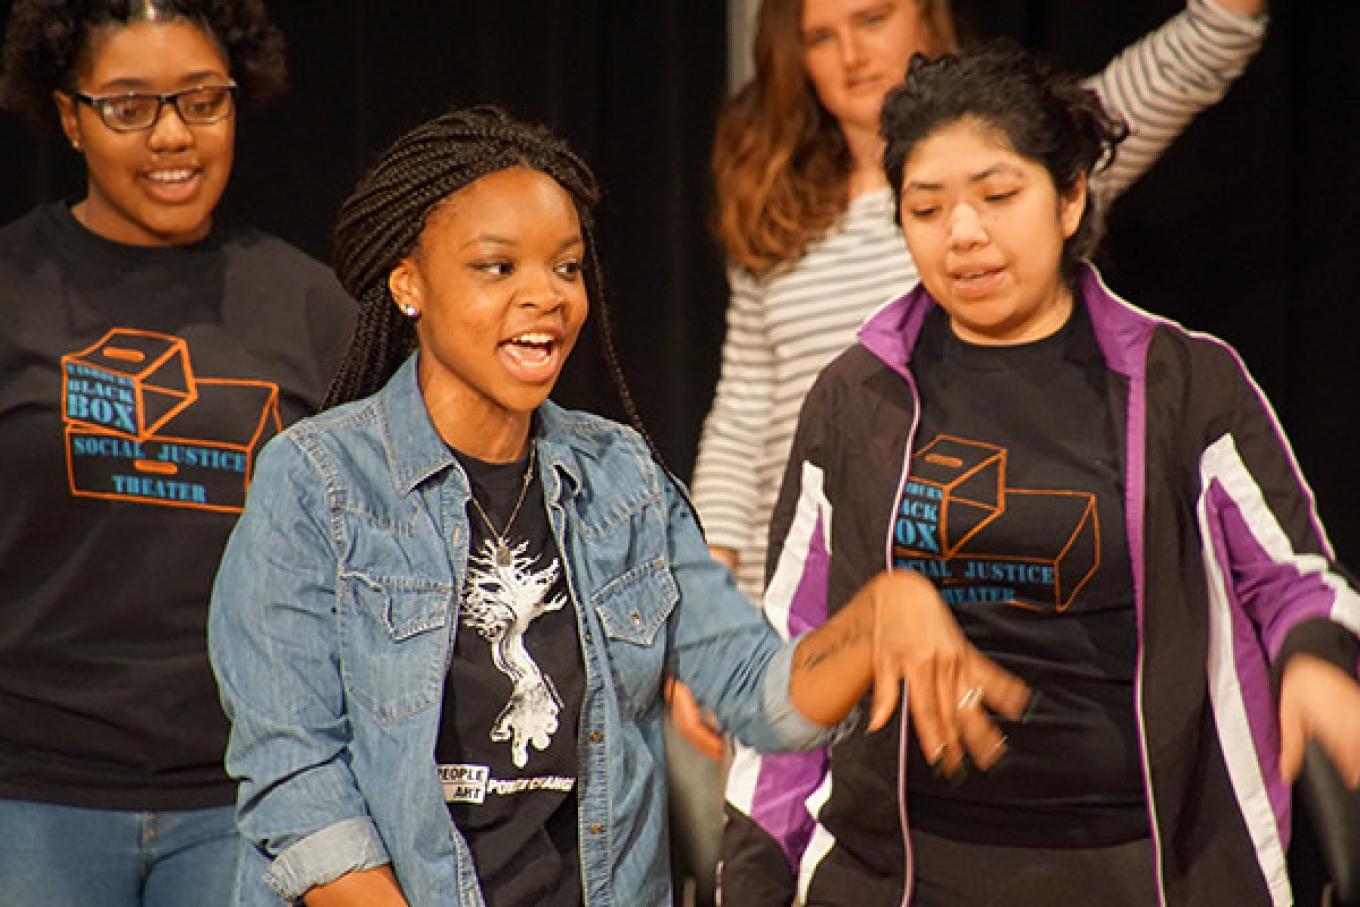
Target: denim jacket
[331,626]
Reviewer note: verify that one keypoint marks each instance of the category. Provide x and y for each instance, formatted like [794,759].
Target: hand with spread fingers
[897,630]
[952,689]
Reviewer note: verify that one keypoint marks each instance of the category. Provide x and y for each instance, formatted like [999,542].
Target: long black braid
[383,218]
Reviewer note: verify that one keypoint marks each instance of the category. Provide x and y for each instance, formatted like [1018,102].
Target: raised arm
[1252,9]
[1164,80]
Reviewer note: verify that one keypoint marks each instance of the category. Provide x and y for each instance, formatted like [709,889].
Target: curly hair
[1047,116]
[382,220]
[47,42]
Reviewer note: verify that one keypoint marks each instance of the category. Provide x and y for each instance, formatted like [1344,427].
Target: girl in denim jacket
[442,623]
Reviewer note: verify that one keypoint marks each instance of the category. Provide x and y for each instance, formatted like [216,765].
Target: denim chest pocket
[393,643]
[633,609]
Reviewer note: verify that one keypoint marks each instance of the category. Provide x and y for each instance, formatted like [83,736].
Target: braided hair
[382,221]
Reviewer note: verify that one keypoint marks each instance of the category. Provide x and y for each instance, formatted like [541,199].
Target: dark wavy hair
[382,221]
[1047,116]
[47,42]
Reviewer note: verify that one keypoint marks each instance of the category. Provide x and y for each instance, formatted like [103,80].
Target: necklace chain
[503,556]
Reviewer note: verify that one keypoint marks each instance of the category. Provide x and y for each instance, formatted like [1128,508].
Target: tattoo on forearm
[816,650]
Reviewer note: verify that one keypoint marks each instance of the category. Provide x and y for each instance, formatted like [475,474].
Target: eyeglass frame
[96,102]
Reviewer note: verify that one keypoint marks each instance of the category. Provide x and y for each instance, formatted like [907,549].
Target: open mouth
[172,184]
[170,177]
[532,356]
[977,281]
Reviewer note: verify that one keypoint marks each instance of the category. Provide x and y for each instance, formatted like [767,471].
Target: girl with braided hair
[147,349]
[442,624]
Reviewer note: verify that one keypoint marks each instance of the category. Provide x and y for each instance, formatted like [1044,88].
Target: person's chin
[181,226]
[863,114]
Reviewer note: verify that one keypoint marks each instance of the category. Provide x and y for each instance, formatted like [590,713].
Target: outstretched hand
[898,630]
[951,687]
[1319,701]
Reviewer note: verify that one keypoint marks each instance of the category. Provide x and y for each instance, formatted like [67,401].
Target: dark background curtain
[1246,228]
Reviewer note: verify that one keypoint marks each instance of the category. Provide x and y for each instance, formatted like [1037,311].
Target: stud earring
[410,311]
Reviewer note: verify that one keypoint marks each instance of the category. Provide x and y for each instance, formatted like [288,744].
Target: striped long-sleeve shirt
[782,330]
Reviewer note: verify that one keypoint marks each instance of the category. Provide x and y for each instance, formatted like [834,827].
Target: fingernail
[960,774]
[1031,707]
[997,754]
[937,761]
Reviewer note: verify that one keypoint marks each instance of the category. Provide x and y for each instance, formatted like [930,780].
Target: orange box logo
[957,524]
[141,427]
[965,482]
[131,382]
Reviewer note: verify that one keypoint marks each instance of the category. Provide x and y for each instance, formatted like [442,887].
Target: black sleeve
[764,877]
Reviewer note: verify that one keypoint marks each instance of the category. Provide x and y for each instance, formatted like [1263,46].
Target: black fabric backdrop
[1245,229]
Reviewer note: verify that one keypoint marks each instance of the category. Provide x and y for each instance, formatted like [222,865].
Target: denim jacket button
[596,736]
[637,619]
[596,828]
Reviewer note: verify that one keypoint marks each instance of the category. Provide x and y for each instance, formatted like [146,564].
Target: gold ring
[970,698]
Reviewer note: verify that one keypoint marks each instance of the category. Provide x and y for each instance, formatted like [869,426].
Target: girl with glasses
[147,350]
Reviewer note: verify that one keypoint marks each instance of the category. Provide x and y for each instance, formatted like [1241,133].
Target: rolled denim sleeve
[727,653]
[347,846]
[272,638]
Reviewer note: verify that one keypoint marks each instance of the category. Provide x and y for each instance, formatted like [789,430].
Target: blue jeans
[69,856]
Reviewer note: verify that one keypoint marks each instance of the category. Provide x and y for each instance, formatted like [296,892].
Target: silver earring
[410,311]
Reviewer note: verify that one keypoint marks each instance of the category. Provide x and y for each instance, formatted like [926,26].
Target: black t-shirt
[1014,508]
[136,387]
[507,747]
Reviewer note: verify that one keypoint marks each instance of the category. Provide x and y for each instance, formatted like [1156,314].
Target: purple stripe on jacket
[1257,579]
[1272,589]
[779,804]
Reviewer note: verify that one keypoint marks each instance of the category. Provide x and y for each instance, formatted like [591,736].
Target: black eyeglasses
[135,111]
